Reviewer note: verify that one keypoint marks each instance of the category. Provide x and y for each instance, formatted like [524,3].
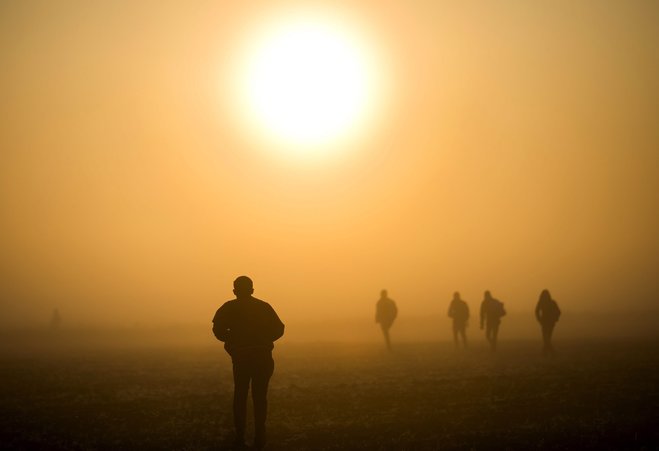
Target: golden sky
[517,149]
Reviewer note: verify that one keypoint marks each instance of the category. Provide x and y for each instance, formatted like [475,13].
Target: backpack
[500,310]
[461,311]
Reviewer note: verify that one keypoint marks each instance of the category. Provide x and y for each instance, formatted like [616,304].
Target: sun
[308,81]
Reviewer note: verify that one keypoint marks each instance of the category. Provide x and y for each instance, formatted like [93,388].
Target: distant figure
[55,321]
[248,326]
[491,312]
[385,314]
[459,311]
[547,313]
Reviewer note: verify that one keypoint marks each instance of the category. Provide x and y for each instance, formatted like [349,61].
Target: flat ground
[592,395]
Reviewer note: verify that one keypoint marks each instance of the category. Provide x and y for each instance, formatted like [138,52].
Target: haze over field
[514,148]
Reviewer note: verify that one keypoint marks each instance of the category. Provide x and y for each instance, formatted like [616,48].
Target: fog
[517,152]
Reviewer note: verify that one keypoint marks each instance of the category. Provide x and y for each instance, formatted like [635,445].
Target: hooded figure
[547,314]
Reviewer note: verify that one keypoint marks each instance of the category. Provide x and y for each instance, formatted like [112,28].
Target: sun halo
[307,83]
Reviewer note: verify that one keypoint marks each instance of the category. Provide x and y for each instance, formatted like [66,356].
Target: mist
[517,153]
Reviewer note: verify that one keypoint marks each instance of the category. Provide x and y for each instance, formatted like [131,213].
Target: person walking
[458,310]
[547,314]
[491,313]
[248,327]
[385,314]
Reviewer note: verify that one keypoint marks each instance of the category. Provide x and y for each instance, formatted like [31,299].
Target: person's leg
[241,387]
[385,331]
[261,377]
[488,332]
[550,331]
[456,328]
[545,339]
[495,335]
[463,332]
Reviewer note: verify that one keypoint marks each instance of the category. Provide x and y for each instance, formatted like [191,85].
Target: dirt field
[593,395]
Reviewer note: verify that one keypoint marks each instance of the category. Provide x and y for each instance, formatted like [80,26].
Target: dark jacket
[459,311]
[491,311]
[547,311]
[247,325]
[385,312]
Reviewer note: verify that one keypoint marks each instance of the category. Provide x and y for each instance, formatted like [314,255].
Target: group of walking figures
[546,312]
[248,327]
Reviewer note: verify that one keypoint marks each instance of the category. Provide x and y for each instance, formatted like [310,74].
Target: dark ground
[592,395]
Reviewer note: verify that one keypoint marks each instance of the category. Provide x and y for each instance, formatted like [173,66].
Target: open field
[593,395]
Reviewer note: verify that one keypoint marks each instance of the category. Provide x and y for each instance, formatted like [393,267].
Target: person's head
[243,287]
[487,295]
[545,296]
[383,294]
[456,296]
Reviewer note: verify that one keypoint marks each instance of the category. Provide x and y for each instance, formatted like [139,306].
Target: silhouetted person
[385,314]
[55,321]
[491,312]
[459,311]
[547,313]
[248,326]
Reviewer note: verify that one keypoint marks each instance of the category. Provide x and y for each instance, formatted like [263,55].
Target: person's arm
[220,326]
[395,310]
[466,311]
[538,312]
[482,314]
[276,326]
[450,310]
[558,311]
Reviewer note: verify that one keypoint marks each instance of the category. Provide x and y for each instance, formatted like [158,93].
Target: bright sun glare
[308,82]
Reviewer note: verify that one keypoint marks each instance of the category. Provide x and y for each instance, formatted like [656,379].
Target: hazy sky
[518,150]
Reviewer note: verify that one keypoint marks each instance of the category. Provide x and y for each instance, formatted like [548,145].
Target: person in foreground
[459,311]
[248,327]
[547,314]
[385,314]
